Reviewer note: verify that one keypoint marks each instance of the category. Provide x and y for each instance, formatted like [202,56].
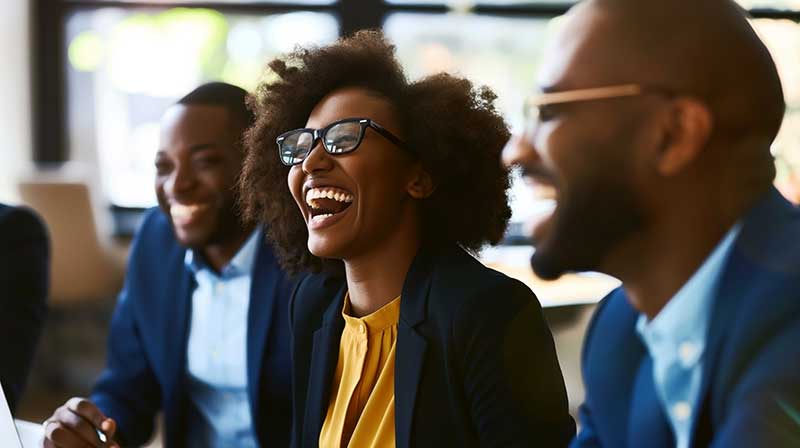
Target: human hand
[79,424]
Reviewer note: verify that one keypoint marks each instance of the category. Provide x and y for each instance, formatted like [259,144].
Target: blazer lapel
[732,284]
[410,354]
[176,324]
[324,355]
[411,346]
[264,293]
[648,425]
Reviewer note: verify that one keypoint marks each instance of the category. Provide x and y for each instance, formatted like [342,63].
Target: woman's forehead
[350,102]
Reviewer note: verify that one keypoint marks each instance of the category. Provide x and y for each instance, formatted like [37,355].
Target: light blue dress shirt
[676,340]
[220,414]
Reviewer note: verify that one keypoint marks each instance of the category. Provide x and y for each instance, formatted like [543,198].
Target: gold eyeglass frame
[587,94]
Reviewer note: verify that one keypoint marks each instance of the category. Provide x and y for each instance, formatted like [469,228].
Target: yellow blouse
[361,410]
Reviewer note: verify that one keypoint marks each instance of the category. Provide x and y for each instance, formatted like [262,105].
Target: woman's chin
[323,247]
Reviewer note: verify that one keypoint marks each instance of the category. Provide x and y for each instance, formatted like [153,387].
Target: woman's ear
[421,184]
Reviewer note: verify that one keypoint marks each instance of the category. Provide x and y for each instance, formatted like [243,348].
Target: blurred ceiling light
[283,32]
[244,42]
[436,57]
[85,52]
[461,5]
[163,54]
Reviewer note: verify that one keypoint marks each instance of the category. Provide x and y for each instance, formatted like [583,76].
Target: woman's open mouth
[326,205]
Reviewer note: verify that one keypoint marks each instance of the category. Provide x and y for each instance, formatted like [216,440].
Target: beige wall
[15,94]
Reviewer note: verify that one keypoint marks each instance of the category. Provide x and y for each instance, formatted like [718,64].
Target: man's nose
[181,180]
[519,151]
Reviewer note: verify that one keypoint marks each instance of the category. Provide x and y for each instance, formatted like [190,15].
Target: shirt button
[219,289]
[687,352]
[681,410]
[362,329]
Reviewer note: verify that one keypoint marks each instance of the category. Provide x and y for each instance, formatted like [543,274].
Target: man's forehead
[580,54]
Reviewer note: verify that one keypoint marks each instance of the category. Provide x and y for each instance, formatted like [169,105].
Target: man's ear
[689,129]
[421,184]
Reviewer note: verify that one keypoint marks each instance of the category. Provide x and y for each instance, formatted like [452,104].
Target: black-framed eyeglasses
[339,137]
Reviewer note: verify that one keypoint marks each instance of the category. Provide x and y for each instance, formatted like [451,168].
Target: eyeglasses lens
[296,147]
[343,137]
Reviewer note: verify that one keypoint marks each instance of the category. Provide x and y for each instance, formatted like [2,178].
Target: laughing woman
[401,337]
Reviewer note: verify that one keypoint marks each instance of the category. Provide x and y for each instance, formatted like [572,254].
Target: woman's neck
[376,278]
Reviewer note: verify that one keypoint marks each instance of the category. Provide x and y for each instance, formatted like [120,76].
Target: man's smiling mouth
[324,202]
[184,213]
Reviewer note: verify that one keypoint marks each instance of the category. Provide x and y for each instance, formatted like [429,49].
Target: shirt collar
[686,316]
[241,263]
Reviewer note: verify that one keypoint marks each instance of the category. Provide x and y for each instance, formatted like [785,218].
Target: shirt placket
[218,320]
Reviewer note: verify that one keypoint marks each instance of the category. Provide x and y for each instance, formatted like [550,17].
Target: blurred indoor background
[83,85]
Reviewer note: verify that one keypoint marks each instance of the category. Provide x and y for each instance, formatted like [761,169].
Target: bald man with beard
[654,130]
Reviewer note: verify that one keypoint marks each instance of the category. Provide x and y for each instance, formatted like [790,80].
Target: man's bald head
[690,146]
[703,48]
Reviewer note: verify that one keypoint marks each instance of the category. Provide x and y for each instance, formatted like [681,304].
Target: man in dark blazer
[654,131]
[200,332]
[24,271]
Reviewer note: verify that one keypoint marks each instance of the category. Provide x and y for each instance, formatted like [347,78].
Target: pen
[101,435]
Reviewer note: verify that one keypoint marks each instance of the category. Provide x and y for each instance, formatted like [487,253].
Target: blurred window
[126,63]
[230,2]
[465,4]
[502,53]
[782,37]
[785,5]
[125,67]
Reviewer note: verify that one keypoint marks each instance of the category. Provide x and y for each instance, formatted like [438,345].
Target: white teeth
[183,211]
[326,193]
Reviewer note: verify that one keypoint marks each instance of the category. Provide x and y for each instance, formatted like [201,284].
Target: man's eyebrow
[201,147]
[192,149]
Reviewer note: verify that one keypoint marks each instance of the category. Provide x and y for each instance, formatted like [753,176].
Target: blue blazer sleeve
[24,271]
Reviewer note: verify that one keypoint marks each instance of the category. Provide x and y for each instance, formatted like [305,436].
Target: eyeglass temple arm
[594,93]
[385,132]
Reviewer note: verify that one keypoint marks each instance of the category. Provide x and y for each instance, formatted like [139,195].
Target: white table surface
[30,433]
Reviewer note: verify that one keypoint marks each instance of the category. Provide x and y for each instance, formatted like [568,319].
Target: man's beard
[587,225]
[229,224]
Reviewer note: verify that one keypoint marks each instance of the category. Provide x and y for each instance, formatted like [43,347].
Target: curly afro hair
[453,128]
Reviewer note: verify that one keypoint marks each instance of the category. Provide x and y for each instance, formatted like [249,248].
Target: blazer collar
[416,287]
[411,345]
[324,355]
[177,300]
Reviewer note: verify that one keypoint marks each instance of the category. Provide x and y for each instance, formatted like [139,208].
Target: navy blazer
[750,389]
[475,360]
[24,279]
[146,367]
